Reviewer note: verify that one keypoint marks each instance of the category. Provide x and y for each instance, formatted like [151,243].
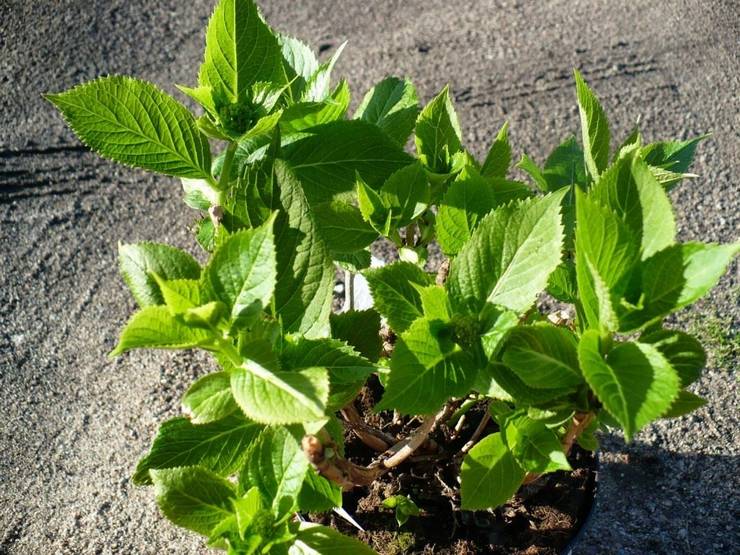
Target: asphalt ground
[73,423]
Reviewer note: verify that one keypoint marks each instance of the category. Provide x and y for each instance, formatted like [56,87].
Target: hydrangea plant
[290,187]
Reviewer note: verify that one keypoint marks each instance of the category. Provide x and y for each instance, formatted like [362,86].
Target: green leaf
[534,171]
[676,277]
[318,494]
[629,189]
[280,397]
[299,62]
[240,50]
[426,369]
[438,134]
[684,352]
[373,208]
[314,539]
[406,194]
[675,156]
[155,328]
[217,446]
[134,123]
[209,399]
[489,475]
[305,273]
[499,155]
[404,507]
[342,227]
[139,261]
[180,295]
[193,497]
[499,382]
[543,356]
[347,369]
[276,465]
[305,115]
[635,382]
[467,201]
[606,254]
[685,403]
[317,86]
[535,447]
[393,106]
[510,256]
[594,128]
[328,160]
[394,294]
[242,272]
[565,166]
[360,329]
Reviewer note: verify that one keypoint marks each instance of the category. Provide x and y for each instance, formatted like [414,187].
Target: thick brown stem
[477,433]
[347,474]
[373,438]
[580,422]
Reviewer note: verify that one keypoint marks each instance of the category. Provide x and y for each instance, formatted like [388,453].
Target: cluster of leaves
[300,187]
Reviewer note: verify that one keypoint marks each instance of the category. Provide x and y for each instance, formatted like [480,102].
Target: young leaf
[543,356]
[180,295]
[139,261]
[629,189]
[242,272]
[317,86]
[305,115]
[280,397]
[393,106]
[426,369]
[635,382]
[606,254]
[394,294]
[467,201]
[134,123]
[534,171]
[510,256]
[685,403]
[360,329]
[154,327]
[218,446]
[438,134]
[535,446]
[209,399]
[276,465]
[193,497]
[565,166]
[240,50]
[499,155]
[328,160]
[674,156]
[299,63]
[489,475]
[406,194]
[676,277]
[594,127]
[373,208]
[314,539]
[305,273]
[404,507]
[683,351]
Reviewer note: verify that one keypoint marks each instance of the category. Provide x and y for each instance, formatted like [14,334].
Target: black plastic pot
[576,542]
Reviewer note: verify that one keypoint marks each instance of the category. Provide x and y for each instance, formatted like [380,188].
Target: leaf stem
[225,177]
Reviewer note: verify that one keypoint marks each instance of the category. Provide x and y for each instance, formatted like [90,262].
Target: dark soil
[540,520]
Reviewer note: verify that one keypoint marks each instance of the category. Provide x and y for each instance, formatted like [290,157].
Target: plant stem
[373,438]
[477,433]
[348,474]
[225,177]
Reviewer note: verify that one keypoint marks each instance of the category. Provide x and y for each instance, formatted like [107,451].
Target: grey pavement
[73,423]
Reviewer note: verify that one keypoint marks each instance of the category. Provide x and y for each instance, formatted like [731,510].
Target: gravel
[73,423]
